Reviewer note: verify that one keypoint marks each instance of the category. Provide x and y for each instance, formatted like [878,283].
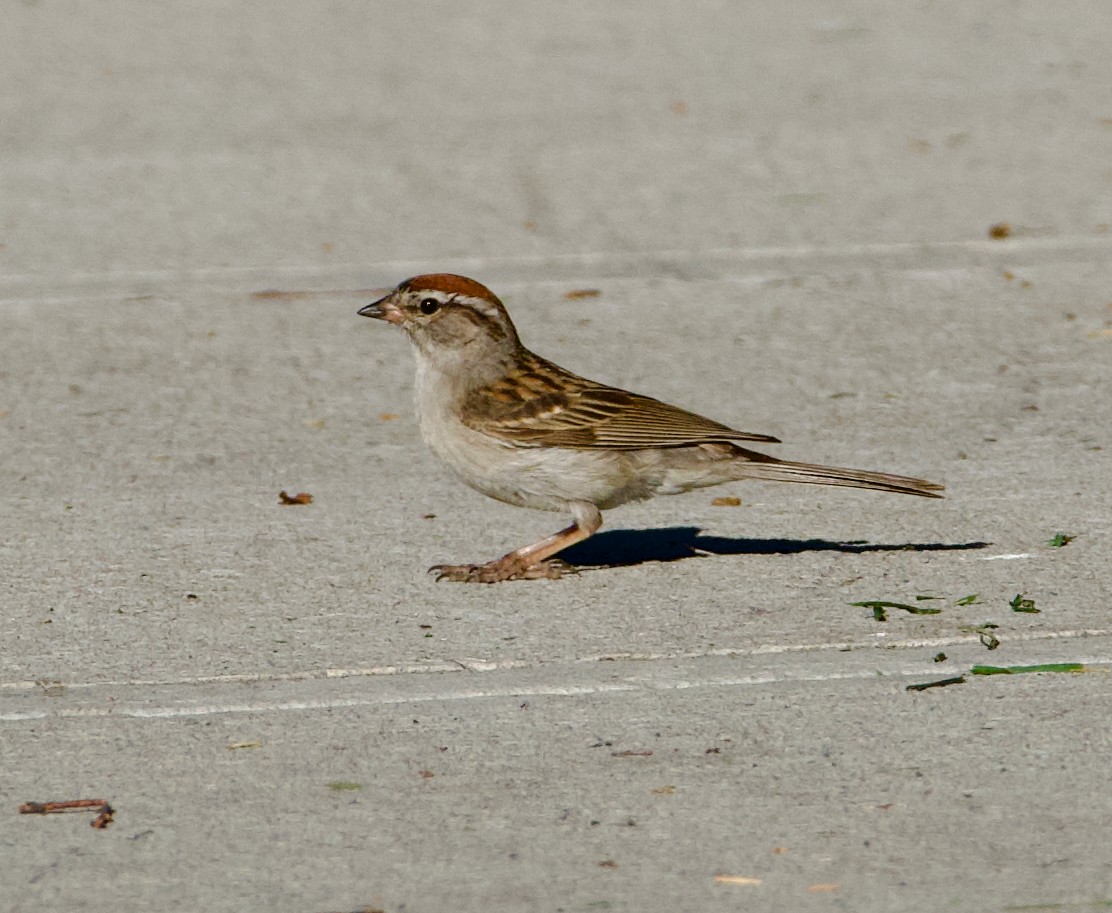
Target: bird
[527,432]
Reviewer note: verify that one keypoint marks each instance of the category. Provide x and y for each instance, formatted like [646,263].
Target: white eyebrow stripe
[484,307]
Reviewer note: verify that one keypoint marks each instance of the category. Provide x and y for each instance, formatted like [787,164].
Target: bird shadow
[630,547]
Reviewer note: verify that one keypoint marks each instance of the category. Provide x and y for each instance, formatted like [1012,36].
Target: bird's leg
[531,562]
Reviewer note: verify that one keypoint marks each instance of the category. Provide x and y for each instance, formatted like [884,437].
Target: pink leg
[532,562]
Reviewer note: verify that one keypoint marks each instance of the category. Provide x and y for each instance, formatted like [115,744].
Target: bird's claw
[502,569]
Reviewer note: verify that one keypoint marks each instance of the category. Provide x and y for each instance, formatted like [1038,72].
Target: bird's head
[445,313]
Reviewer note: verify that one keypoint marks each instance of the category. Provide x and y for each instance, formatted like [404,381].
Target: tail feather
[765,468]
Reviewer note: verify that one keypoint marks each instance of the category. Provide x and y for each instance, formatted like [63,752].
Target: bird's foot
[510,567]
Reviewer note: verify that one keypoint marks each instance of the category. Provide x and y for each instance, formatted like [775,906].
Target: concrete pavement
[786,216]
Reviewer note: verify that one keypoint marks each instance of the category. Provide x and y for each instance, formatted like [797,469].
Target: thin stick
[101,821]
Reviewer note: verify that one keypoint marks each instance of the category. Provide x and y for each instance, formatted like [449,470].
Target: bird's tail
[760,467]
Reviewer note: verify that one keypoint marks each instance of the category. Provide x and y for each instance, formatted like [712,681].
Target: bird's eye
[429,305]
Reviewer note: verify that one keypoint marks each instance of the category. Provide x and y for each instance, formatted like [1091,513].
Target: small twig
[940,683]
[101,821]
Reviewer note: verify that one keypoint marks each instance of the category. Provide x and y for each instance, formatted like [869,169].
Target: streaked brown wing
[544,405]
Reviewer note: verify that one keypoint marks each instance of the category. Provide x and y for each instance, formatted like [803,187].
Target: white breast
[542,478]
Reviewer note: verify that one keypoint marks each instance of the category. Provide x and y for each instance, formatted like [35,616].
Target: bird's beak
[383,309]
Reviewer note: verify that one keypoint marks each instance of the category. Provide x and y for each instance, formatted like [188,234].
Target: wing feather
[543,405]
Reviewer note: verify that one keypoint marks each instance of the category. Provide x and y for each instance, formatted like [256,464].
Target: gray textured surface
[786,215]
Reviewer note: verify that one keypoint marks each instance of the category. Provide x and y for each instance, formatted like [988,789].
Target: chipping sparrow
[527,432]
